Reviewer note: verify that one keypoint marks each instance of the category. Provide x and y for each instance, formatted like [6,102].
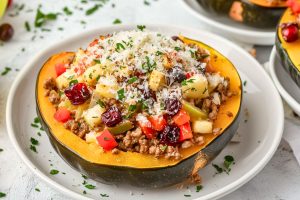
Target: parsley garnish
[37,189]
[89,186]
[84,192]
[34,125]
[84,176]
[119,47]
[245,83]
[121,94]
[163,148]
[185,82]
[93,9]
[5,71]
[60,28]
[106,139]
[187,195]
[147,65]
[141,27]
[228,161]
[36,120]
[146,3]
[34,141]
[101,103]
[204,90]
[97,61]
[2,194]
[177,48]
[132,80]
[1,150]
[204,56]
[41,18]
[132,108]
[54,172]
[32,148]
[67,11]
[198,188]
[158,53]
[117,21]
[27,26]
[104,195]
[73,82]
[219,169]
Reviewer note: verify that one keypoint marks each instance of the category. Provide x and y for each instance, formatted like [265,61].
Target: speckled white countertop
[280,179]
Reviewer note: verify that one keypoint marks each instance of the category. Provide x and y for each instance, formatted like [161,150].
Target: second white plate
[226,27]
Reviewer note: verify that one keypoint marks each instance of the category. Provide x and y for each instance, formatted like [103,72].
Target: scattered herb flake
[73,82]
[245,83]
[198,188]
[121,94]
[101,103]
[92,9]
[104,195]
[37,189]
[90,186]
[34,141]
[39,134]
[97,61]
[119,46]
[132,108]
[177,48]
[84,192]
[67,11]
[1,150]
[158,53]
[187,195]
[36,120]
[41,18]
[117,21]
[141,27]
[5,71]
[147,3]
[84,176]
[132,80]
[228,161]
[185,82]
[34,125]
[60,28]
[33,148]
[27,26]
[219,169]
[2,195]
[54,172]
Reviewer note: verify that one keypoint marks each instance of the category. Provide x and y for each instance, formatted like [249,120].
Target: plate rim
[232,30]
[285,94]
[217,194]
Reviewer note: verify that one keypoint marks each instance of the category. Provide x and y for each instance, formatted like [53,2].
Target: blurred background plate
[228,28]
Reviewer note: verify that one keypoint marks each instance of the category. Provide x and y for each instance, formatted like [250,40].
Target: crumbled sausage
[186,144]
[50,84]
[54,97]
[79,128]
[115,151]
[199,139]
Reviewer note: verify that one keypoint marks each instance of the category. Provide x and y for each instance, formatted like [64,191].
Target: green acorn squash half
[289,53]
[254,13]
[138,169]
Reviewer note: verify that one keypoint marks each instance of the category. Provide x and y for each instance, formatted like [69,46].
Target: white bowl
[259,137]
[287,88]
[227,27]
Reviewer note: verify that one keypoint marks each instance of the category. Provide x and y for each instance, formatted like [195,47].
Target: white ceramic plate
[226,27]
[288,89]
[260,135]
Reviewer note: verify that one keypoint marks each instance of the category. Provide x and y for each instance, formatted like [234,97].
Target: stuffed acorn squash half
[254,13]
[139,107]
[288,41]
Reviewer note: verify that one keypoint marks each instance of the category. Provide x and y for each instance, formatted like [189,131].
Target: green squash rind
[253,15]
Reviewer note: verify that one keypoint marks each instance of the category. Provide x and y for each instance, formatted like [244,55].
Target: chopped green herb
[73,82]
[60,28]
[177,48]
[205,89]
[193,54]
[163,148]
[41,18]
[245,83]
[54,172]
[82,22]
[97,78]
[146,3]
[92,9]
[106,139]
[34,125]
[67,11]
[121,94]
[104,195]
[39,134]
[119,46]
[27,26]
[2,195]
[117,21]
[132,108]
[36,120]
[45,29]
[89,186]
[198,188]
[132,80]
[97,61]
[34,141]
[5,71]
[185,82]
[187,195]
[141,27]
[42,129]
[37,189]
[1,150]
[147,65]
[84,182]
[33,148]
[228,161]
[84,176]
[84,192]
[203,56]
[101,103]
[219,169]
[158,53]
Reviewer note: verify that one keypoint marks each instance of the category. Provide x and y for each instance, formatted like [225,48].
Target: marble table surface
[280,179]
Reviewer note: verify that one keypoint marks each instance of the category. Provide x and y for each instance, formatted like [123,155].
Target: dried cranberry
[148,94]
[290,31]
[170,135]
[175,74]
[6,32]
[77,93]
[111,117]
[173,106]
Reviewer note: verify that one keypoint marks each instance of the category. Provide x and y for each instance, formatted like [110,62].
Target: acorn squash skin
[253,15]
[287,52]
[155,177]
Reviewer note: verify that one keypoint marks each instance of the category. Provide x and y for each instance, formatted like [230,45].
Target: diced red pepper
[106,140]
[185,132]
[158,122]
[60,68]
[294,5]
[182,117]
[147,129]
[62,115]
[94,42]
[189,75]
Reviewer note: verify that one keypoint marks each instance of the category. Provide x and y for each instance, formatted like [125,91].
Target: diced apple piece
[194,112]
[92,74]
[92,116]
[91,137]
[167,63]
[202,126]
[64,79]
[107,87]
[196,87]
[157,79]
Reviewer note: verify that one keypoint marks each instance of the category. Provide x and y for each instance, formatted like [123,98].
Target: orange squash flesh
[93,154]
[266,3]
